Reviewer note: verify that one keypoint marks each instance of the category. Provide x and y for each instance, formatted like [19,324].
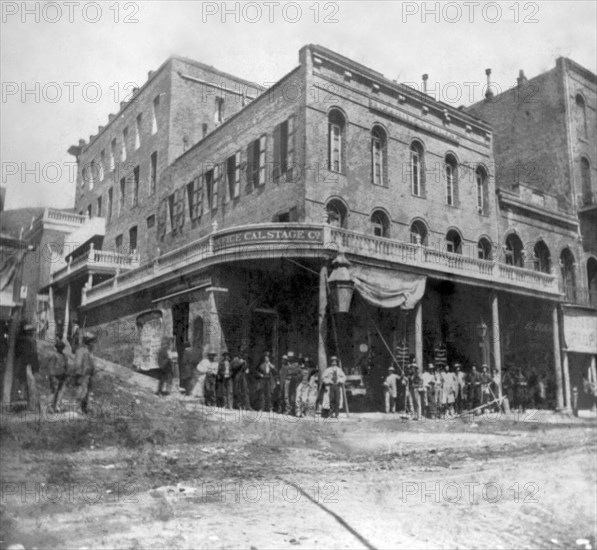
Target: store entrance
[264,335]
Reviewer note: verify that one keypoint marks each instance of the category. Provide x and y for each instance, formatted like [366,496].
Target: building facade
[333,162]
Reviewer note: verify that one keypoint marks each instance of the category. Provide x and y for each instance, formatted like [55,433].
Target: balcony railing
[286,239]
[62,216]
[97,261]
[580,296]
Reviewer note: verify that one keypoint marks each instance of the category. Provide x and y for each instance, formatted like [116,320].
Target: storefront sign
[580,332]
[256,236]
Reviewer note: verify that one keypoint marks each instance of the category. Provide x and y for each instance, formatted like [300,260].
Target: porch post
[567,392]
[557,358]
[419,335]
[321,352]
[496,336]
[67,312]
[51,333]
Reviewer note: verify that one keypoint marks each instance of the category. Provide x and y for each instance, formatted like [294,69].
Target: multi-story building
[119,168]
[333,158]
[545,151]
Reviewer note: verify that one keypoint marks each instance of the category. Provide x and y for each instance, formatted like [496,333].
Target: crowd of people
[233,382]
[448,391]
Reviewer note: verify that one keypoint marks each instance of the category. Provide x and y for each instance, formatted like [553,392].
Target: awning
[388,288]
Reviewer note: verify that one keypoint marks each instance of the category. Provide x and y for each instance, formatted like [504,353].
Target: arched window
[514,255]
[451,172]
[336,125]
[581,116]
[418,233]
[336,213]
[379,145]
[585,178]
[484,249]
[592,280]
[482,192]
[567,264]
[454,242]
[380,224]
[542,257]
[417,169]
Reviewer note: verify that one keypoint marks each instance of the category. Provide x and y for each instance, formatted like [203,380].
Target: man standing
[474,388]
[333,380]
[391,390]
[268,371]
[165,366]
[448,390]
[225,377]
[84,370]
[427,388]
[200,373]
[460,387]
[415,384]
[210,367]
[26,366]
[58,368]
[190,359]
[485,383]
[240,373]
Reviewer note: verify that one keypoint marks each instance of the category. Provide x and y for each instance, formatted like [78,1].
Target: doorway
[180,326]
[264,335]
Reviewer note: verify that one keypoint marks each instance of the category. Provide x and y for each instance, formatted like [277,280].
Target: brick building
[545,151]
[333,158]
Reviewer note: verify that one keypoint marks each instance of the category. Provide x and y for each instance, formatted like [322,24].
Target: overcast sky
[100,53]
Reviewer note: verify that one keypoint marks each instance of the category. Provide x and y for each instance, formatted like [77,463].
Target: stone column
[567,389]
[557,358]
[51,333]
[496,337]
[419,335]
[321,324]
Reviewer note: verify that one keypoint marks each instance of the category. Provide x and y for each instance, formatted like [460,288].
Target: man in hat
[240,373]
[391,390]
[427,388]
[84,370]
[57,370]
[165,366]
[191,357]
[415,384]
[268,372]
[26,366]
[287,381]
[208,369]
[485,381]
[448,390]
[474,388]
[333,380]
[225,378]
[460,386]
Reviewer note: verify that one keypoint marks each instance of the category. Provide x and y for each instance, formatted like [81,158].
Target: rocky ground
[149,472]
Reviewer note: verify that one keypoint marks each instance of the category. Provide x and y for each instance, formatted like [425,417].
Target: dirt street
[149,472]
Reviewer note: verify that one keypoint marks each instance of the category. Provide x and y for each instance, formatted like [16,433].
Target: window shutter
[162,214]
[237,175]
[199,183]
[215,188]
[250,168]
[191,198]
[227,182]
[262,160]
[290,151]
[456,185]
[277,159]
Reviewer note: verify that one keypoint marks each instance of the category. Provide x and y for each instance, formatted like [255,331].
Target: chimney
[82,143]
[521,80]
[150,74]
[111,117]
[489,93]
[135,90]
[425,77]
[99,129]
[122,104]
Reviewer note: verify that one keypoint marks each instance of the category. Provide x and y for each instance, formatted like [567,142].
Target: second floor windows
[336,124]
[136,186]
[122,200]
[482,194]
[99,207]
[451,175]
[284,150]
[256,162]
[113,154]
[138,123]
[513,251]
[233,177]
[125,136]
[195,197]
[212,180]
[153,172]
[378,155]
[219,112]
[110,198]
[417,169]
[154,114]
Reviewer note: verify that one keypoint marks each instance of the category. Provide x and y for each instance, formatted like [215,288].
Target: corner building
[332,158]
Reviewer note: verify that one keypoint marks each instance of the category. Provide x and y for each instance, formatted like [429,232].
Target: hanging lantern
[482,329]
[341,285]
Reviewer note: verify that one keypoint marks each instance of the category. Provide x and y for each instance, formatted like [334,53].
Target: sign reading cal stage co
[249,236]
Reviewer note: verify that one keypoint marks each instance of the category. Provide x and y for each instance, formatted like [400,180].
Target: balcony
[92,230]
[101,262]
[266,241]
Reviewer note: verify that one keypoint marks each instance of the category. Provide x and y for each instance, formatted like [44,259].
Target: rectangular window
[195,197]
[99,207]
[118,243]
[204,129]
[219,113]
[377,156]
[154,114]
[179,209]
[150,221]
[133,239]
[415,166]
[113,154]
[233,176]
[170,214]
[284,150]
[125,136]
[153,172]
[335,147]
[110,197]
[256,162]
[136,186]
[122,200]
[138,130]
[211,185]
